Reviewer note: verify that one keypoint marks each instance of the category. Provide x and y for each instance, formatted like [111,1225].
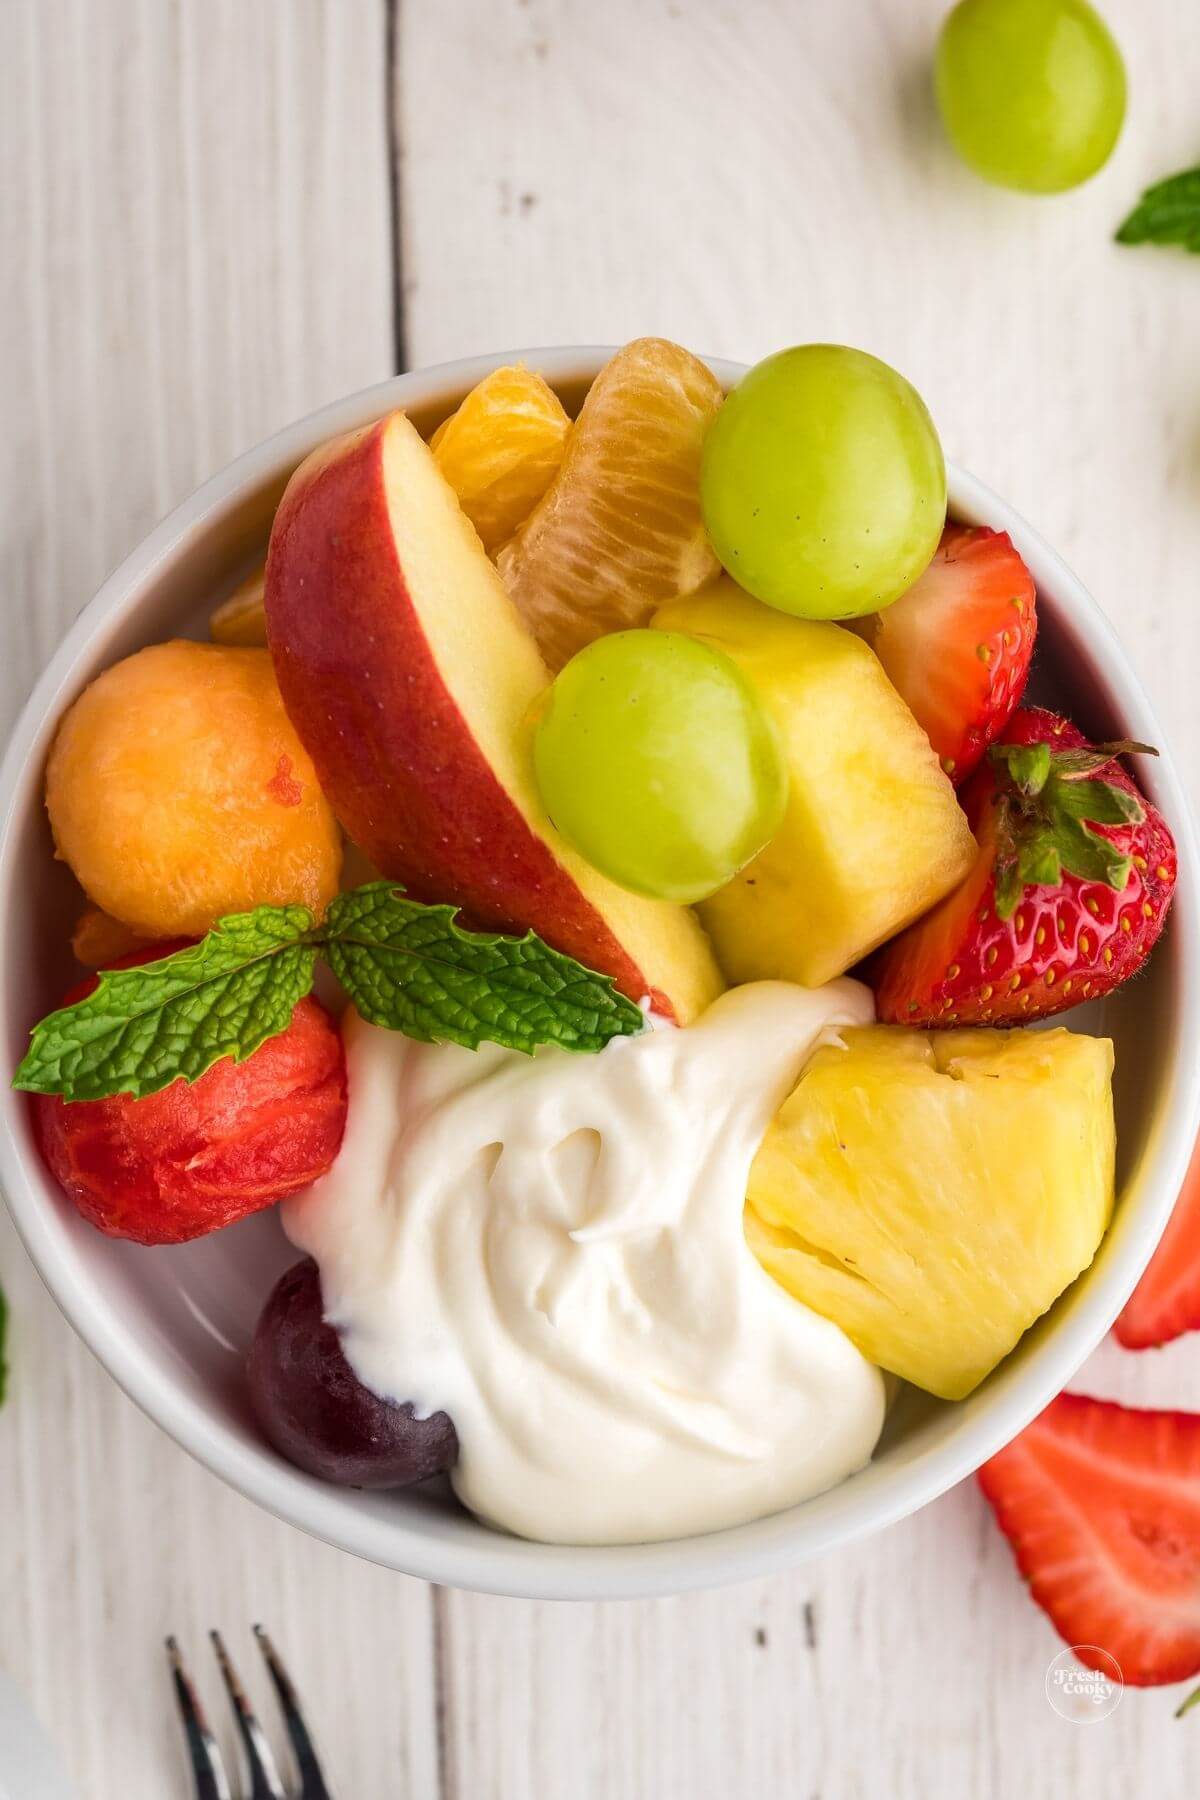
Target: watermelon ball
[178,1164]
[316,1411]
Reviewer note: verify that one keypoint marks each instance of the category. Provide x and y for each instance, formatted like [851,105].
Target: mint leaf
[1167,213]
[413,968]
[143,1027]
[406,966]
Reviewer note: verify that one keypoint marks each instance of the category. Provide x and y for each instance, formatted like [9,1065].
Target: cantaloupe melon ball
[178,791]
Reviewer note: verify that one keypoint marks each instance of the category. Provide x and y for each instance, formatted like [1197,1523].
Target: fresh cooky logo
[1084,1693]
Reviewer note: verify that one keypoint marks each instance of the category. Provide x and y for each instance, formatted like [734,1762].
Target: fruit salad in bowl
[587,1010]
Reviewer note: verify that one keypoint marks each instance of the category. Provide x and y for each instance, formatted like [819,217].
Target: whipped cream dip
[550,1249]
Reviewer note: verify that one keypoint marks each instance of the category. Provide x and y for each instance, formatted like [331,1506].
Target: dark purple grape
[317,1412]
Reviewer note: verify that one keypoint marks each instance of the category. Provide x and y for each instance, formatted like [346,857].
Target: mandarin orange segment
[178,791]
[241,619]
[501,450]
[619,530]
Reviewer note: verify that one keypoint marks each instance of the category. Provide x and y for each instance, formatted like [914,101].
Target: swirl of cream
[550,1249]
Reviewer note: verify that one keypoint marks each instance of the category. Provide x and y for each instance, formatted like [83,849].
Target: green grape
[822,483]
[1032,92]
[656,760]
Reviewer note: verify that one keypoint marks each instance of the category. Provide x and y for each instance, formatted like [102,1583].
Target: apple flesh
[409,677]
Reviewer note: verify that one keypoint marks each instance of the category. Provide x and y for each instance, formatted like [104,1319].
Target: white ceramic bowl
[172,1324]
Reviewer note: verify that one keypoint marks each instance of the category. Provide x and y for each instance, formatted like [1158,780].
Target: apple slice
[409,675]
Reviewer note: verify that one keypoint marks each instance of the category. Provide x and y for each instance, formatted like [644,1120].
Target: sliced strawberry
[957,645]
[1166,1301]
[1067,896]
[1101,1505]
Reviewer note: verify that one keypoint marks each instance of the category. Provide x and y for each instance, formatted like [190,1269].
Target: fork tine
[264,1776]
[312,1781]
[212,1783]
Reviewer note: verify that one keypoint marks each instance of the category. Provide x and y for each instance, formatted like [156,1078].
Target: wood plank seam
[395,155]
[443,1722]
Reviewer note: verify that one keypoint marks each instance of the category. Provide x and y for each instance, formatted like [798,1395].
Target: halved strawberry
[1069,892]
[957,645]
[1166,1301]
[1101,1505]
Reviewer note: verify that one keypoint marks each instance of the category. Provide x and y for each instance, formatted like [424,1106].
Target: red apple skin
[183,1162]
[374,702]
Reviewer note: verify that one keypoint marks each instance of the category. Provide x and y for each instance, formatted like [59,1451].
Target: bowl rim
[493,1562]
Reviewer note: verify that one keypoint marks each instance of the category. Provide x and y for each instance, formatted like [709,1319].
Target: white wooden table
[218,214]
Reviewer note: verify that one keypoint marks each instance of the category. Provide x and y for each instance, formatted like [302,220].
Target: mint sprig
[1167,213]
[406,966]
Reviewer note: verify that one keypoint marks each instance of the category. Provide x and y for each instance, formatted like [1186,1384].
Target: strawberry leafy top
[1048,802]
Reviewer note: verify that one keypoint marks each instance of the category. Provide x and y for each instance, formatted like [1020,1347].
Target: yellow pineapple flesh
[873,835]
[934,1192]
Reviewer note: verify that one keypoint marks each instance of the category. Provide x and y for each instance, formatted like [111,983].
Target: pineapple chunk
[934,1192]
[873,835]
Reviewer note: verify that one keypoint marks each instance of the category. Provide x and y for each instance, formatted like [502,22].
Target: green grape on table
[1031,92]
[656,760]
[822,483]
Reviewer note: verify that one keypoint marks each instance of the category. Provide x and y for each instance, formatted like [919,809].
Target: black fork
[208,1767]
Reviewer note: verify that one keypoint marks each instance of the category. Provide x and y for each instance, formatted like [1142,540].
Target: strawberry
[1101,1505]
[1069,891]
[197,1155]
[1166,1301]
[957,645]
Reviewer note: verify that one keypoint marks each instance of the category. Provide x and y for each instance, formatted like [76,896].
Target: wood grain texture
[195,245]
[195,249]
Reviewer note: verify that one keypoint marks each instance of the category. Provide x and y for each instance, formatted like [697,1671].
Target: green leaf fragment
[1046,807]
[413,968]
[1070,765]
[1008,887]
[1187,1705]
[1096,801]
[1167,213]
[1089,856]
[1028,765]
[1038,864]
[144,1027]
